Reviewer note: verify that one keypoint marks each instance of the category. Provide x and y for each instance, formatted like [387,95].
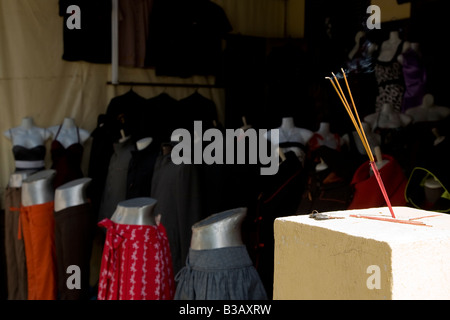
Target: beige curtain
[36,82]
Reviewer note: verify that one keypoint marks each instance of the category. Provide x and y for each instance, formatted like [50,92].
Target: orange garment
[38,229]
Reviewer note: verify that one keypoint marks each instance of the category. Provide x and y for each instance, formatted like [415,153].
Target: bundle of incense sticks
[353,113]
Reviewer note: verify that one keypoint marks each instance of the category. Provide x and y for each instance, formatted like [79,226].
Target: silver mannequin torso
[71,194]
[219,230]
[16,179]
[136,211]
[38,188]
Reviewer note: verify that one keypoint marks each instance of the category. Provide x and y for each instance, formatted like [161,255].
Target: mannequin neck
[68,123]
[387,108]
[324,129]
[287,123]
[428,101]
[219,230]
[394,36]
[27,123]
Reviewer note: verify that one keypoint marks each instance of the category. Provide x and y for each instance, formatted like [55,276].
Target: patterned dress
[391,84]
[136,263]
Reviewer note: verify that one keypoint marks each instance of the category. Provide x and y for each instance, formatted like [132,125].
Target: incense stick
[354,116]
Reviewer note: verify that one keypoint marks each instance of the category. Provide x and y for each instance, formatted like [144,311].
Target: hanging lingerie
[66,161]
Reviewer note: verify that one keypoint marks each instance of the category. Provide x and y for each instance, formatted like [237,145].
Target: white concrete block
[357,258]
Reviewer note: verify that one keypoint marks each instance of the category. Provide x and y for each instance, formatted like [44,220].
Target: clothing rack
[162,84]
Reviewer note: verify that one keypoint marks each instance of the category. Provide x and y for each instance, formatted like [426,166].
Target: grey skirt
[219,274]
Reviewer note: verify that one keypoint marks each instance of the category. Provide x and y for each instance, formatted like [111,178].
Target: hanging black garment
[177,189]
[158,117]
[124,111]
[244,76]
[140,171]
[196,107]
[185,37]
[92,42]
[101,151]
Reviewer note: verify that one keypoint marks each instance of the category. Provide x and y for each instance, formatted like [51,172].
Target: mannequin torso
[27,134]
[38,188]
[289,134]
[326,137]
[390,47]
[387,118]
[137,211]
[68,133]
[427,111]
[71,194]
[28,145]
[219,230]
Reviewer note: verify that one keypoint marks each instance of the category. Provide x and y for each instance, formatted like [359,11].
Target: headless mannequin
[390,47]
[136,211]
[68,134]
[38,188]
[71,194]
[27,134]
[143,143]
[288,132]
[388,118]
[219,230]
[427,111]
[330,139]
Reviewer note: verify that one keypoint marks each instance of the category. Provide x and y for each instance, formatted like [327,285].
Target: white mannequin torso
[219,230]
[388,118]
[427,111]
[67,133]
[288,132]
[330,139]
[27,134]
[389,47]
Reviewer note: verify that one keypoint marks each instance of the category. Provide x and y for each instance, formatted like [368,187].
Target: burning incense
[360,130]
